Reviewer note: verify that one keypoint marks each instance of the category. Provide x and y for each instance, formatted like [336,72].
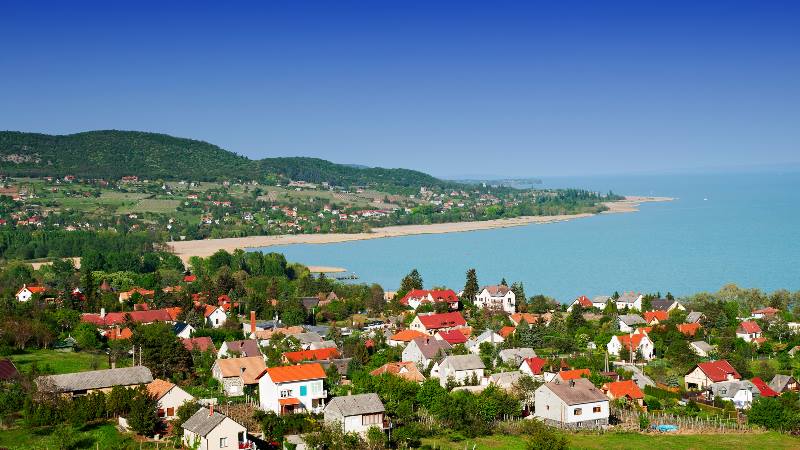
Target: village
[214,371]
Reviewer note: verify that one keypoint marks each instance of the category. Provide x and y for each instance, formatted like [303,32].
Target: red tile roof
[769,311]
[718,370]
[311,355]
[584,301]
[506,331]
[657,315]
[529,318]
[536,364]
[407,335]
[573,374]
[300,372]
[438,295]
[200,343]
[444,320]
[766,391]
[115,334]
[749,327]
[118,318]
[625,388]
[289,401]
[689,329]
[452,337]
[631,342]
[189,278]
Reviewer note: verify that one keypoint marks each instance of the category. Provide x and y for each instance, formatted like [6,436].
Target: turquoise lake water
[739,228]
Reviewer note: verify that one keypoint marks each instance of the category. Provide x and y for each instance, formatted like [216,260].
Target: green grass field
[59,362]
[151,205]
[104,436]
[634,441]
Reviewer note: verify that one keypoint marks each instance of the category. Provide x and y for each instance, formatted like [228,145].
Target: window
[286,393]
[223,442]
[303,390]
[316,387]
[596,409]
[170,412]
[577,411]
[372,419]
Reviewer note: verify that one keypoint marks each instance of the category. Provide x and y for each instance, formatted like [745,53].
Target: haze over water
[722,228]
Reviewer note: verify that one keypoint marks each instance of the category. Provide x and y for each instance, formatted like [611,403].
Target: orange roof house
[623,389]
[574,374]
[407,370]
[300,372]
[322,354]
[529,318]
[653,317]
[406,336]
[689,329]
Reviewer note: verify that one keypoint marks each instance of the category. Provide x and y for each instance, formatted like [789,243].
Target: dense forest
[114,154]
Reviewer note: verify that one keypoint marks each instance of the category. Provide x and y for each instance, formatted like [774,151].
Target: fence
[685,423]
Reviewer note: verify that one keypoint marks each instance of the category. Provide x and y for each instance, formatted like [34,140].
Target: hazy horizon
[510,90]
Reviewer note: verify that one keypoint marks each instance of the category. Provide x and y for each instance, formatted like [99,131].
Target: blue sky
[451,88]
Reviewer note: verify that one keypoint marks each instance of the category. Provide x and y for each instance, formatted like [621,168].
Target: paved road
[639,377]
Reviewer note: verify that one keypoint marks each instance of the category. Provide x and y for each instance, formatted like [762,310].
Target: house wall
[554,411]
[189,439]
[269,393]
[413,353]
[508,302]
[174,398]
[217,318]
[459,375]
[186,333]
[698,378]
[227,429]
[699,351]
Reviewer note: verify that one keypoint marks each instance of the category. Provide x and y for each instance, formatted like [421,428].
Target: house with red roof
[452,337]
[748,330]
[764,389]
[321,354]
[189,278]
[534,367]
[26,292]
[127,295]
[403,337]
[104,320]
[689,329]
[582,301]
[624,389]
[507,331]
[201,344]
[291,389]
[705,374]
[431,323]
[529,318]
[417,297]
[215,315]
[767,313]
[574,374]
[655,317]
[634,343]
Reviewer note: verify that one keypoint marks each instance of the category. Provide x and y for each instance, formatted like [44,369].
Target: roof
[423,295]
[158,387]
[118,318]
[631,319]
[189,278]
[765,390]
[309,302]
[443,320]
[576,392]
[431,347]
[115,334]
[452,337]
[584,301]
[529,318]
[516,353]
[407,335]
[574,374]
[628,297]
[210,309]
[403,369]
[718,370]
[200,343]
[689,329]
[704,346]
[694,316]
[535,364]
[462,362]
[505,379]
[780,382]
[356,405]
[203,422]
[661,304]
[627,388]
[728,389]
[767,311]
[98,379]
[179,326]
[749,327]
[307,337]
[631,342]
[8,371]
[300,372]
[311,355]
[506,331]
[496,290]
[248,368]
[657,315]
[289,401]
[34,289]
[246,347]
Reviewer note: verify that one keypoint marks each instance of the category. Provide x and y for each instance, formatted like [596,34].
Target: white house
[215,316]
[170,397]
[630,300]
[431,323]
[425,350]
[356,413]
[634,343]
[748,330]
[26,292]
[498,297]
[473,344]
[702,348]
[234,374]
[706,373]
[515,356]
[183,330]
[211,430]
[461,368]
[582,301]
[738,392]
[290,389]
[627,322]
[571,404]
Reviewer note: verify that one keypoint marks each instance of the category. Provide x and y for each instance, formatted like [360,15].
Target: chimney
[252,321]
[102,313]
[211,410]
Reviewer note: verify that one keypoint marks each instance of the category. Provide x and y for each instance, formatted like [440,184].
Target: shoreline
[207,247]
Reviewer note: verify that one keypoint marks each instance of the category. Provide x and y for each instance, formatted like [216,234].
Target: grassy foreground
[60,362]
[635,441]
[104,435]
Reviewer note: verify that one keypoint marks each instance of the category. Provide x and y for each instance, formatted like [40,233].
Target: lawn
[635,441]
[60,362]
[104,435]
[151,205]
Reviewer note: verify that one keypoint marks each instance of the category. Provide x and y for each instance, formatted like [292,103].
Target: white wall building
[211,430]
[572,404]
[356,413]
[461,368]
[498,297]
[290,389]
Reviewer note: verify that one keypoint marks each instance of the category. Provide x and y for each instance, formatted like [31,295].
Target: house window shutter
[303,390]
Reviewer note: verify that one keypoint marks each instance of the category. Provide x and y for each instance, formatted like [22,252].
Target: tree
[86,336]
[143,415]
[410,282]
[162,352]
[471,286]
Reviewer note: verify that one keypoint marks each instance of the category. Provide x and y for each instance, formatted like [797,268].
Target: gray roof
[576,392]
[779,382]
[355,405]
[694,317]
[628,297]
[202,422]
[463,362]
[505,379]
[631,319]
[308,337]
[309,302]
[430,347]
[728,389]
[321,330]
[516,354]
[704,346]
[97,379]
[661,304]
[322,344]
[246,348]
[601,299]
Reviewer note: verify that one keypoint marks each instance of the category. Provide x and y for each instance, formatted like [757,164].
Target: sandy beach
[204,248]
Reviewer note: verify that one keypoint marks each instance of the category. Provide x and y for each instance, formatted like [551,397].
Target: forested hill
[114,154]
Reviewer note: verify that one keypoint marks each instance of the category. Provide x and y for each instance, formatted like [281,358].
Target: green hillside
[114,154]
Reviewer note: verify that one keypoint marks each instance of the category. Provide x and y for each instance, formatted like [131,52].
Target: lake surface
[739,228]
